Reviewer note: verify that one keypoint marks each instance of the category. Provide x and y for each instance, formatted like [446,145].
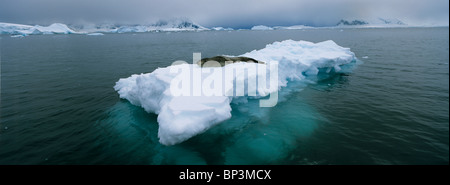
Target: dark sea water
[58,105]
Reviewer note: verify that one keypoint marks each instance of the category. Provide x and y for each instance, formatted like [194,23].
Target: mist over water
[58,105]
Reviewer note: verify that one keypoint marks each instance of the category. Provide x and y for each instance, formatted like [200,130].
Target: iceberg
[182,117]
[261,27]
[19,29]
[9,28]
[55,28]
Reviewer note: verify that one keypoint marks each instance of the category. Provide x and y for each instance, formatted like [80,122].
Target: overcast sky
[227,13]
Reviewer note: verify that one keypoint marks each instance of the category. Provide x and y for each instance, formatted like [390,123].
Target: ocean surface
[58,105]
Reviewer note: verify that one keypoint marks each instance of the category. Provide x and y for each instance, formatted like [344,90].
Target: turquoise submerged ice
[182,117]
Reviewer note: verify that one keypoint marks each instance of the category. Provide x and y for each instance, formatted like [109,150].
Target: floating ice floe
[182,117]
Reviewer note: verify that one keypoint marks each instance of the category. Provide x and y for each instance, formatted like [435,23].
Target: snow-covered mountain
[371,22]
[343,22]
[390,21]
[178,25]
